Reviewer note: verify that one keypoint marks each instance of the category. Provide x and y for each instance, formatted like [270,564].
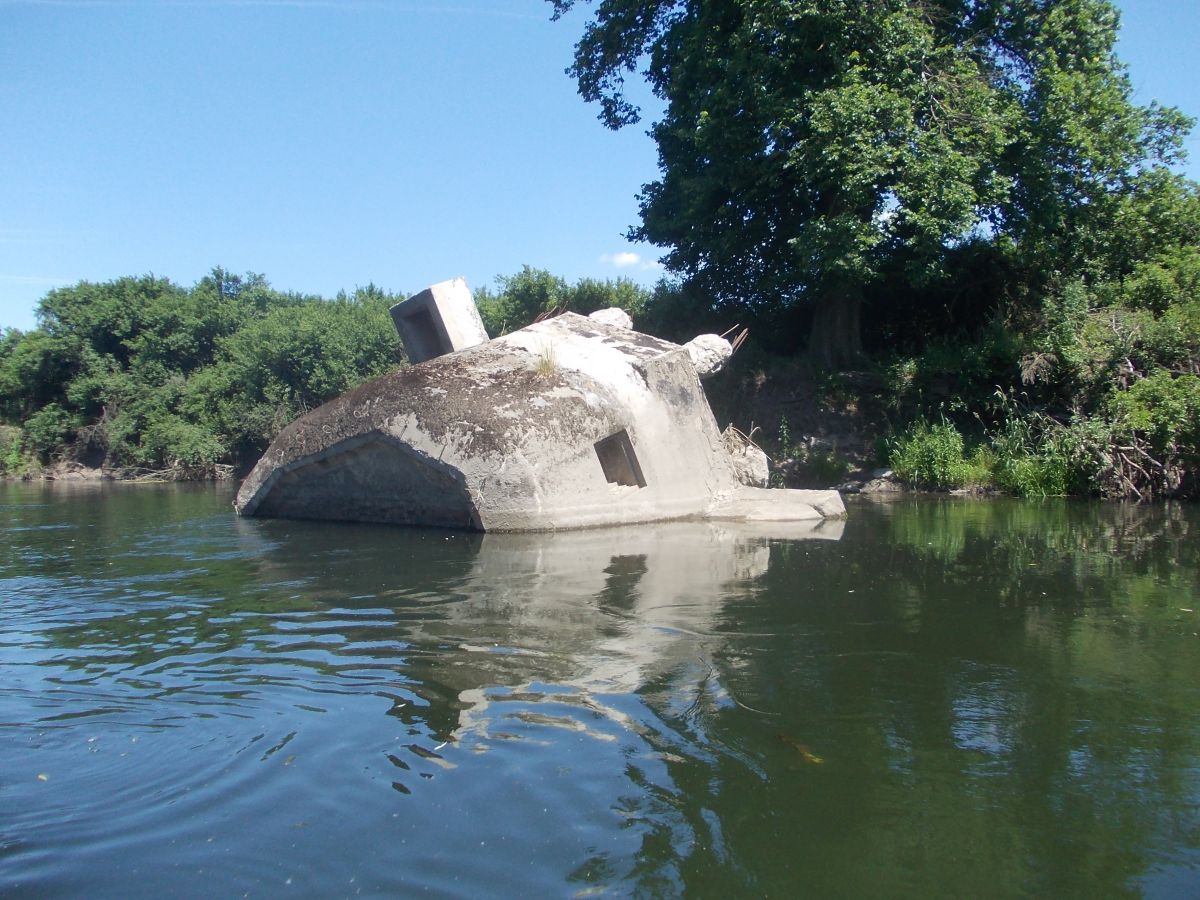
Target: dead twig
[743,436]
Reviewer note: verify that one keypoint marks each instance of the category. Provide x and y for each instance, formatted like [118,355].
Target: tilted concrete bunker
[571,422]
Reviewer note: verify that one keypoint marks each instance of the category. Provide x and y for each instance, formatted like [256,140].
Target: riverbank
[1001,407]
[71,470]
[944,422]
[860,432]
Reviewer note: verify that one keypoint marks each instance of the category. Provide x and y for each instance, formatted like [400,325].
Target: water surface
[939,698]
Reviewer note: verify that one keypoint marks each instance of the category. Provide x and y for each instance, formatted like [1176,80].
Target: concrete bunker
[571,422]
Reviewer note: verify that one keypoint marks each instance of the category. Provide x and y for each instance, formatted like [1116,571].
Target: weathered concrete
[439,320]
[568,423]
[709,353]
[751,504]
[751,466]
[614,315]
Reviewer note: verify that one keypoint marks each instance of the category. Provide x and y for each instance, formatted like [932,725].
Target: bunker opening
[425,339]
[619,462]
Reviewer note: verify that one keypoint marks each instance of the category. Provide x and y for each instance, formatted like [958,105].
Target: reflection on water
[932,698]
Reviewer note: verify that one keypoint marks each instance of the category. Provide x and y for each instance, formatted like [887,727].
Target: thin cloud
[627,259]
[624,260]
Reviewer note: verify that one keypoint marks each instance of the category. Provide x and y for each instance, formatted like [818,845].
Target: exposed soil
[827,420]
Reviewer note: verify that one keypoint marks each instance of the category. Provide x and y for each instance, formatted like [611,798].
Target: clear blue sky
[332,143]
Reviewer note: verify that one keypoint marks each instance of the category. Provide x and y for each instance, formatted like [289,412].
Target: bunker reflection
[933,698]
[598,611]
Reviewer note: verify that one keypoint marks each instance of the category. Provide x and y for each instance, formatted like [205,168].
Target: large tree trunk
[835,341]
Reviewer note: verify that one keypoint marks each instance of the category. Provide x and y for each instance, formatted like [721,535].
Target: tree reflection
[1005,695]
[954,698]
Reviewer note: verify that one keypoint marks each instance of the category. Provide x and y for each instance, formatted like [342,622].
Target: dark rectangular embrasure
[619,462]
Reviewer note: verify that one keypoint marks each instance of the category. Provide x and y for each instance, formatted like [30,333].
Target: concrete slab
[753,504]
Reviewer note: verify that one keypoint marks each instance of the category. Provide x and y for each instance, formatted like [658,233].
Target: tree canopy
[524,296]
[142,373]
[812,149]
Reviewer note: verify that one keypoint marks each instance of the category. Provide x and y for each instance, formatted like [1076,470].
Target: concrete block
[709,353]
[750,464]
[613,315]
[441,319]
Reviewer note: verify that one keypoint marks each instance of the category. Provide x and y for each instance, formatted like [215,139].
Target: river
[937,697]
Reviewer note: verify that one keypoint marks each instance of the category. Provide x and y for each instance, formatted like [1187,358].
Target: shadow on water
[945,698]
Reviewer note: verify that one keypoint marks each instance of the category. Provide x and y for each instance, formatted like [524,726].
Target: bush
[1173,339]
[1165,409]
[1023,462]
[11,460]
[957,375]
[1032,475]
[931,456]
[806,464]
[1158,421]
[48,429]
[181,444]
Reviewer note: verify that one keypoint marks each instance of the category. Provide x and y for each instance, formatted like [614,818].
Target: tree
[808,147]
[33,368]
[522,297]
[519,299]
[290,360]
[141,372]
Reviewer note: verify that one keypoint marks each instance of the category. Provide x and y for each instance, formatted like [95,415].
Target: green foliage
[11,459]
[33,369]
[1159,306]
[678,313]
[180,443]
[1162,281]
[823,466]
[1165,409]
[591,294]
[288,360]
[519,299]
[931,455]
[810,150]
[1066,314]
[1090,338]
[955,376]
[48,429]
[303,355]
[139,372]
[1106,368]
[106,318]
[1026,461]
